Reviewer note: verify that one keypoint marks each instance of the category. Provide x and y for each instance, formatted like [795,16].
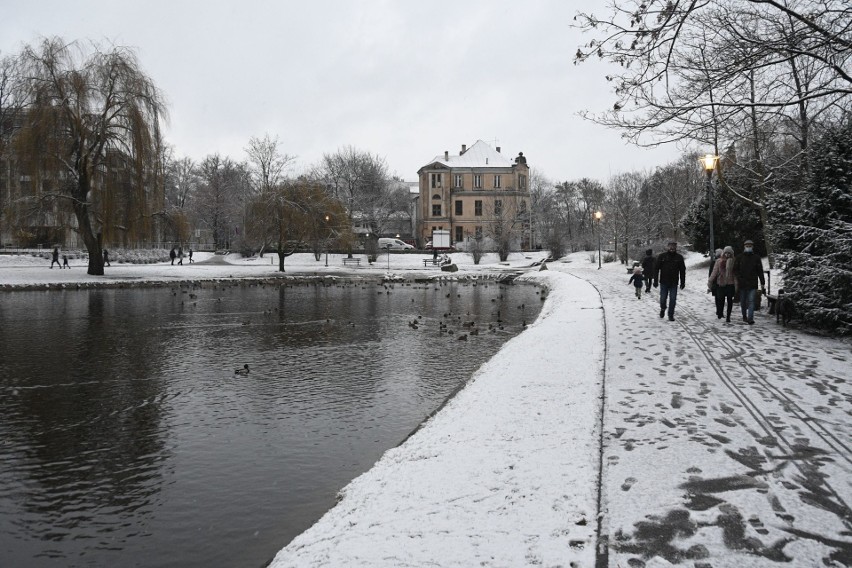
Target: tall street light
[598,217]
[327,235]
[709,162]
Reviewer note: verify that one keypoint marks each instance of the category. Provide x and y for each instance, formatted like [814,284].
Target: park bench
[355,261]
[432,261]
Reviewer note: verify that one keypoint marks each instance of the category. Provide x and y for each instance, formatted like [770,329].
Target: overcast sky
[403,80]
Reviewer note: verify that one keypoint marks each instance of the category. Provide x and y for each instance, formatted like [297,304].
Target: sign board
[441,239]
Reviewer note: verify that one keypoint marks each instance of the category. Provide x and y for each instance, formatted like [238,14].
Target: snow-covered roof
[480,155]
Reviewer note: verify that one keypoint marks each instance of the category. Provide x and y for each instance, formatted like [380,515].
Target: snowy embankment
[504,475]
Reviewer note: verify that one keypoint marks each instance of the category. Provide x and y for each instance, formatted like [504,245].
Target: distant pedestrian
[748,269]
[55,257]
[65,262]
[172,255]
[106,258]
[723,283]
[648,268]
[669,269]
[637,279]
[189,252]
[180,256]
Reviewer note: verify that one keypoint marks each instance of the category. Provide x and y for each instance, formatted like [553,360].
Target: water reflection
[128,439]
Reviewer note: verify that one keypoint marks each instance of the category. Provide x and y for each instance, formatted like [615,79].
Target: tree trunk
[764,218]
[84,224]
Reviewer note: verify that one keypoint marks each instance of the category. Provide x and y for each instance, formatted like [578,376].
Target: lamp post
[327,235]
[598,217]
[709,163]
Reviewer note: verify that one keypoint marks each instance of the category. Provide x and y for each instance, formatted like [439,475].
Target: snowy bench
[432,261]
[355,261]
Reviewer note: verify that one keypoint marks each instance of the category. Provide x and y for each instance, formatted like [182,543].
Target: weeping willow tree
[91,121]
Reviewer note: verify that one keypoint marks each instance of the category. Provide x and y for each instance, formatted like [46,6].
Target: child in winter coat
[637,279]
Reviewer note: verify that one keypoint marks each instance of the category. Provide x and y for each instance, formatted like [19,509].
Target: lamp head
[598,215]
[709,162]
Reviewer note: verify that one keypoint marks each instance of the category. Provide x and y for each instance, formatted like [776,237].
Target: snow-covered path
[725,443]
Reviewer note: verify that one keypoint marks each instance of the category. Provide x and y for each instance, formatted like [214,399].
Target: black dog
[785,308]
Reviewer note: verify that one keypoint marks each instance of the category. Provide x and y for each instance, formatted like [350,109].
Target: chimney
[446,155]
[498,149]
[464,149]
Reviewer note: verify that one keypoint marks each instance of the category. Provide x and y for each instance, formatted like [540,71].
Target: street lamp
[598,217]
[327,235]
[709,162]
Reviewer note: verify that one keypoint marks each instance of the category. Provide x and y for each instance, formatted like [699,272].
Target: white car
[394,244]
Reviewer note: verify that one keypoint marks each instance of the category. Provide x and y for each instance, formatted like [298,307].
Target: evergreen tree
[815,235]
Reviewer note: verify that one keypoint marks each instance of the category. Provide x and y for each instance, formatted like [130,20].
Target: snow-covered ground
[721,444]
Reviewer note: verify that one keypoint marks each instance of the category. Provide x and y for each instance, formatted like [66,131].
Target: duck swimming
[243,371]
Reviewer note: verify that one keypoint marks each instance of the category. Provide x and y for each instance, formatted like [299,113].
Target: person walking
[65,262]
[172,255]
[669,269]
[716,256]
[55,258]
[648,268]
[722,281]
[748,269]
[180,256]
[637,279]
[189,252]
[106,258]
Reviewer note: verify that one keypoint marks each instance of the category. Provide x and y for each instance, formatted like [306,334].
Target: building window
[477,232]
[436,180]
[498,207]
[436,210]
[459,181]
[522,181]
[477,181]
[498,182]
[477,208]
[459,208]
[437,196]
[459,234]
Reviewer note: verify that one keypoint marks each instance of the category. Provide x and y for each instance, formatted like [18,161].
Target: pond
[128,439]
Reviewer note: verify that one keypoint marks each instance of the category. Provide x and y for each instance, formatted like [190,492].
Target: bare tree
[676,186]
[86,111]
[504,224]
[220,200]
[8,111]
[623,208]
[267,162]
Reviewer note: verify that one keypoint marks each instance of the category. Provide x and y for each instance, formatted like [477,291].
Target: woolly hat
[730,250]
[649,251]
[637,270]
[749,242]
[719,252]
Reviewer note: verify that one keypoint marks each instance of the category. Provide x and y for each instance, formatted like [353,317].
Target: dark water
[127,440]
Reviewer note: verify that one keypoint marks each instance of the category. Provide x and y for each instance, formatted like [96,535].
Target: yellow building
[474,193]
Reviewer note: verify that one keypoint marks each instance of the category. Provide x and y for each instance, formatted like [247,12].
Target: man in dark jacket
[748,269]
[648,269]
[668,269]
